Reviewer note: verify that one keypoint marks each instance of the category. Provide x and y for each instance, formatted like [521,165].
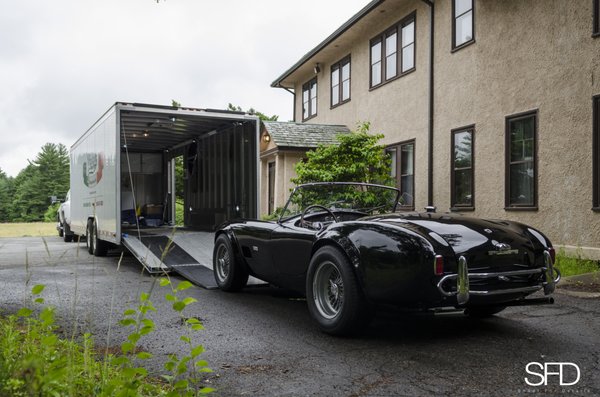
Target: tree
[261,116]
[46,176]
[356,158]
[6,193]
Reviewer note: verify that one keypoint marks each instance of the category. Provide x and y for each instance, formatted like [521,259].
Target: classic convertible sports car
[345,248]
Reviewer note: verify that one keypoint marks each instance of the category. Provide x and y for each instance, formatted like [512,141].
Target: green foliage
[357,158]
[51,213]
[261,116]
[6,193]
[574,265]
[179,213]
[35,361]
[47,175]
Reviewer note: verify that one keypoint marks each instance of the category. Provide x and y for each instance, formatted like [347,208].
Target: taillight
[438,265]
[552,254]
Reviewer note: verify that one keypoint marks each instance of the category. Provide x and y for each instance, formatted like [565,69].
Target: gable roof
[302,135]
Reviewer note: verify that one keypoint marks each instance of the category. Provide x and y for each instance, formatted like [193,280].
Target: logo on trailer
[92,168]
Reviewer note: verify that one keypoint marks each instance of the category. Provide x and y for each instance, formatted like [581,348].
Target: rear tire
[333,295]
[66,234]
[60,226]
[483,311]
[229,274]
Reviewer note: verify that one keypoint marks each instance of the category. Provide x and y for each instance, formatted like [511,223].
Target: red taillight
[438,265]
[552,254]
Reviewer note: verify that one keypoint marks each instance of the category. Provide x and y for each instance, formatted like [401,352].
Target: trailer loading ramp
[189,254]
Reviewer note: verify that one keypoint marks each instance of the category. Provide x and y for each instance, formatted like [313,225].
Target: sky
[63,63]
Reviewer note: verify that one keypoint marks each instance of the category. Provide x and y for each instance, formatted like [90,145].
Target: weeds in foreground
[35,361]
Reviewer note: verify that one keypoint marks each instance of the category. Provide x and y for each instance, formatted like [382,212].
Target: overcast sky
[65,62]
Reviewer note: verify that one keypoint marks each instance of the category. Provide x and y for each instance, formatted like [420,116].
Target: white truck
[63,219]
[123,180]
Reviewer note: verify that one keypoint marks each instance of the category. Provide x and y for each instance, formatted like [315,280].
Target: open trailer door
[220,179]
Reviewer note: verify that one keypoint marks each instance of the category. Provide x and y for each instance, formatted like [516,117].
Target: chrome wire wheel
[328,290]
[222,263]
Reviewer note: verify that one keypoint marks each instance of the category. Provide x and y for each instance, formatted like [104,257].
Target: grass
[33,229]
[572,266]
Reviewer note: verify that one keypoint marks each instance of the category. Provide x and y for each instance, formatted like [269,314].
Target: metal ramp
[189,254]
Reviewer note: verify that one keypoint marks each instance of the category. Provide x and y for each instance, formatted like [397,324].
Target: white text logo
[568,374]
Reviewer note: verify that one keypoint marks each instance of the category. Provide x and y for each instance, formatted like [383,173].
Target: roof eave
[341,30]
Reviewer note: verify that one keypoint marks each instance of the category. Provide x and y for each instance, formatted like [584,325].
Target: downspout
[430,3]
[294,104]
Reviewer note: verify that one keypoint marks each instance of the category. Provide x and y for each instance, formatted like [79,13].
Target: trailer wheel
[100,246]
[89,241]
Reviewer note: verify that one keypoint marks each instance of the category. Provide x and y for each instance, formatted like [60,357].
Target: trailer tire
[100,246]
[89,242]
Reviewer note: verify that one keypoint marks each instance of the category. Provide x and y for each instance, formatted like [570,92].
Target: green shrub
[51,213]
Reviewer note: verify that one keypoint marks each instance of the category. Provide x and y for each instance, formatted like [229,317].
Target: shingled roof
[301,135]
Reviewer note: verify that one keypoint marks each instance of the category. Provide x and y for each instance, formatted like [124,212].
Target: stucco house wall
[527,55]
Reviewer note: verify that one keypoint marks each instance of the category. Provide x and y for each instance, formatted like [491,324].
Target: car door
[291,248]
[253,238]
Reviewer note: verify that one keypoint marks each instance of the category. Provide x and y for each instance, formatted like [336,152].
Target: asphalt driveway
[262,342]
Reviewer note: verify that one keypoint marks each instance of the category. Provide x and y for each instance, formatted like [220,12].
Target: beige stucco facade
[528,55]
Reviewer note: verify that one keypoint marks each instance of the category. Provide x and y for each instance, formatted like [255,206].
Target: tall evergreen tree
[6,187]
[46,176]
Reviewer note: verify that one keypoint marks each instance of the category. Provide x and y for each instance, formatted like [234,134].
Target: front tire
[230,275]
[334,298]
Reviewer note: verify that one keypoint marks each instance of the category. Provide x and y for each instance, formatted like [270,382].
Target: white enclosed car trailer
[123,182]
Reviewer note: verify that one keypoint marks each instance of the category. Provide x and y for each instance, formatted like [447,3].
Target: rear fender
[392,264]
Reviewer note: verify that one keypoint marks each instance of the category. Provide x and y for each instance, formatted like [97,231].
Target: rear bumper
[458,284]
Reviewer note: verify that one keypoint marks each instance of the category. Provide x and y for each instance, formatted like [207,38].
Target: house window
[521,161]
[462,23]
[462,176]
[402,170]
[340,82]
[309,99]
[596,153]
[596,30]
[393,52]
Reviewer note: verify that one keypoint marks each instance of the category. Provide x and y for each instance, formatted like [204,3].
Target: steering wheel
[303,223]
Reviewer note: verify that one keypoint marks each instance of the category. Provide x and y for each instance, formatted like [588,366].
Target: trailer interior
[217,151]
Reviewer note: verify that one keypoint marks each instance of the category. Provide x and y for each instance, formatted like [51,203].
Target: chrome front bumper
[463,276]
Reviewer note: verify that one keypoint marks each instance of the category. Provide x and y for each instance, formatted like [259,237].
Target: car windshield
[357,197]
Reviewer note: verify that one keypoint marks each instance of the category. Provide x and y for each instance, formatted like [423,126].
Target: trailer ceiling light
[146,134]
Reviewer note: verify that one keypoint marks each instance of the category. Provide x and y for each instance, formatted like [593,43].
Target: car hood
[468,235]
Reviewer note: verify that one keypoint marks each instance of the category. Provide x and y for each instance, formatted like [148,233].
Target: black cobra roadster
[345,248]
